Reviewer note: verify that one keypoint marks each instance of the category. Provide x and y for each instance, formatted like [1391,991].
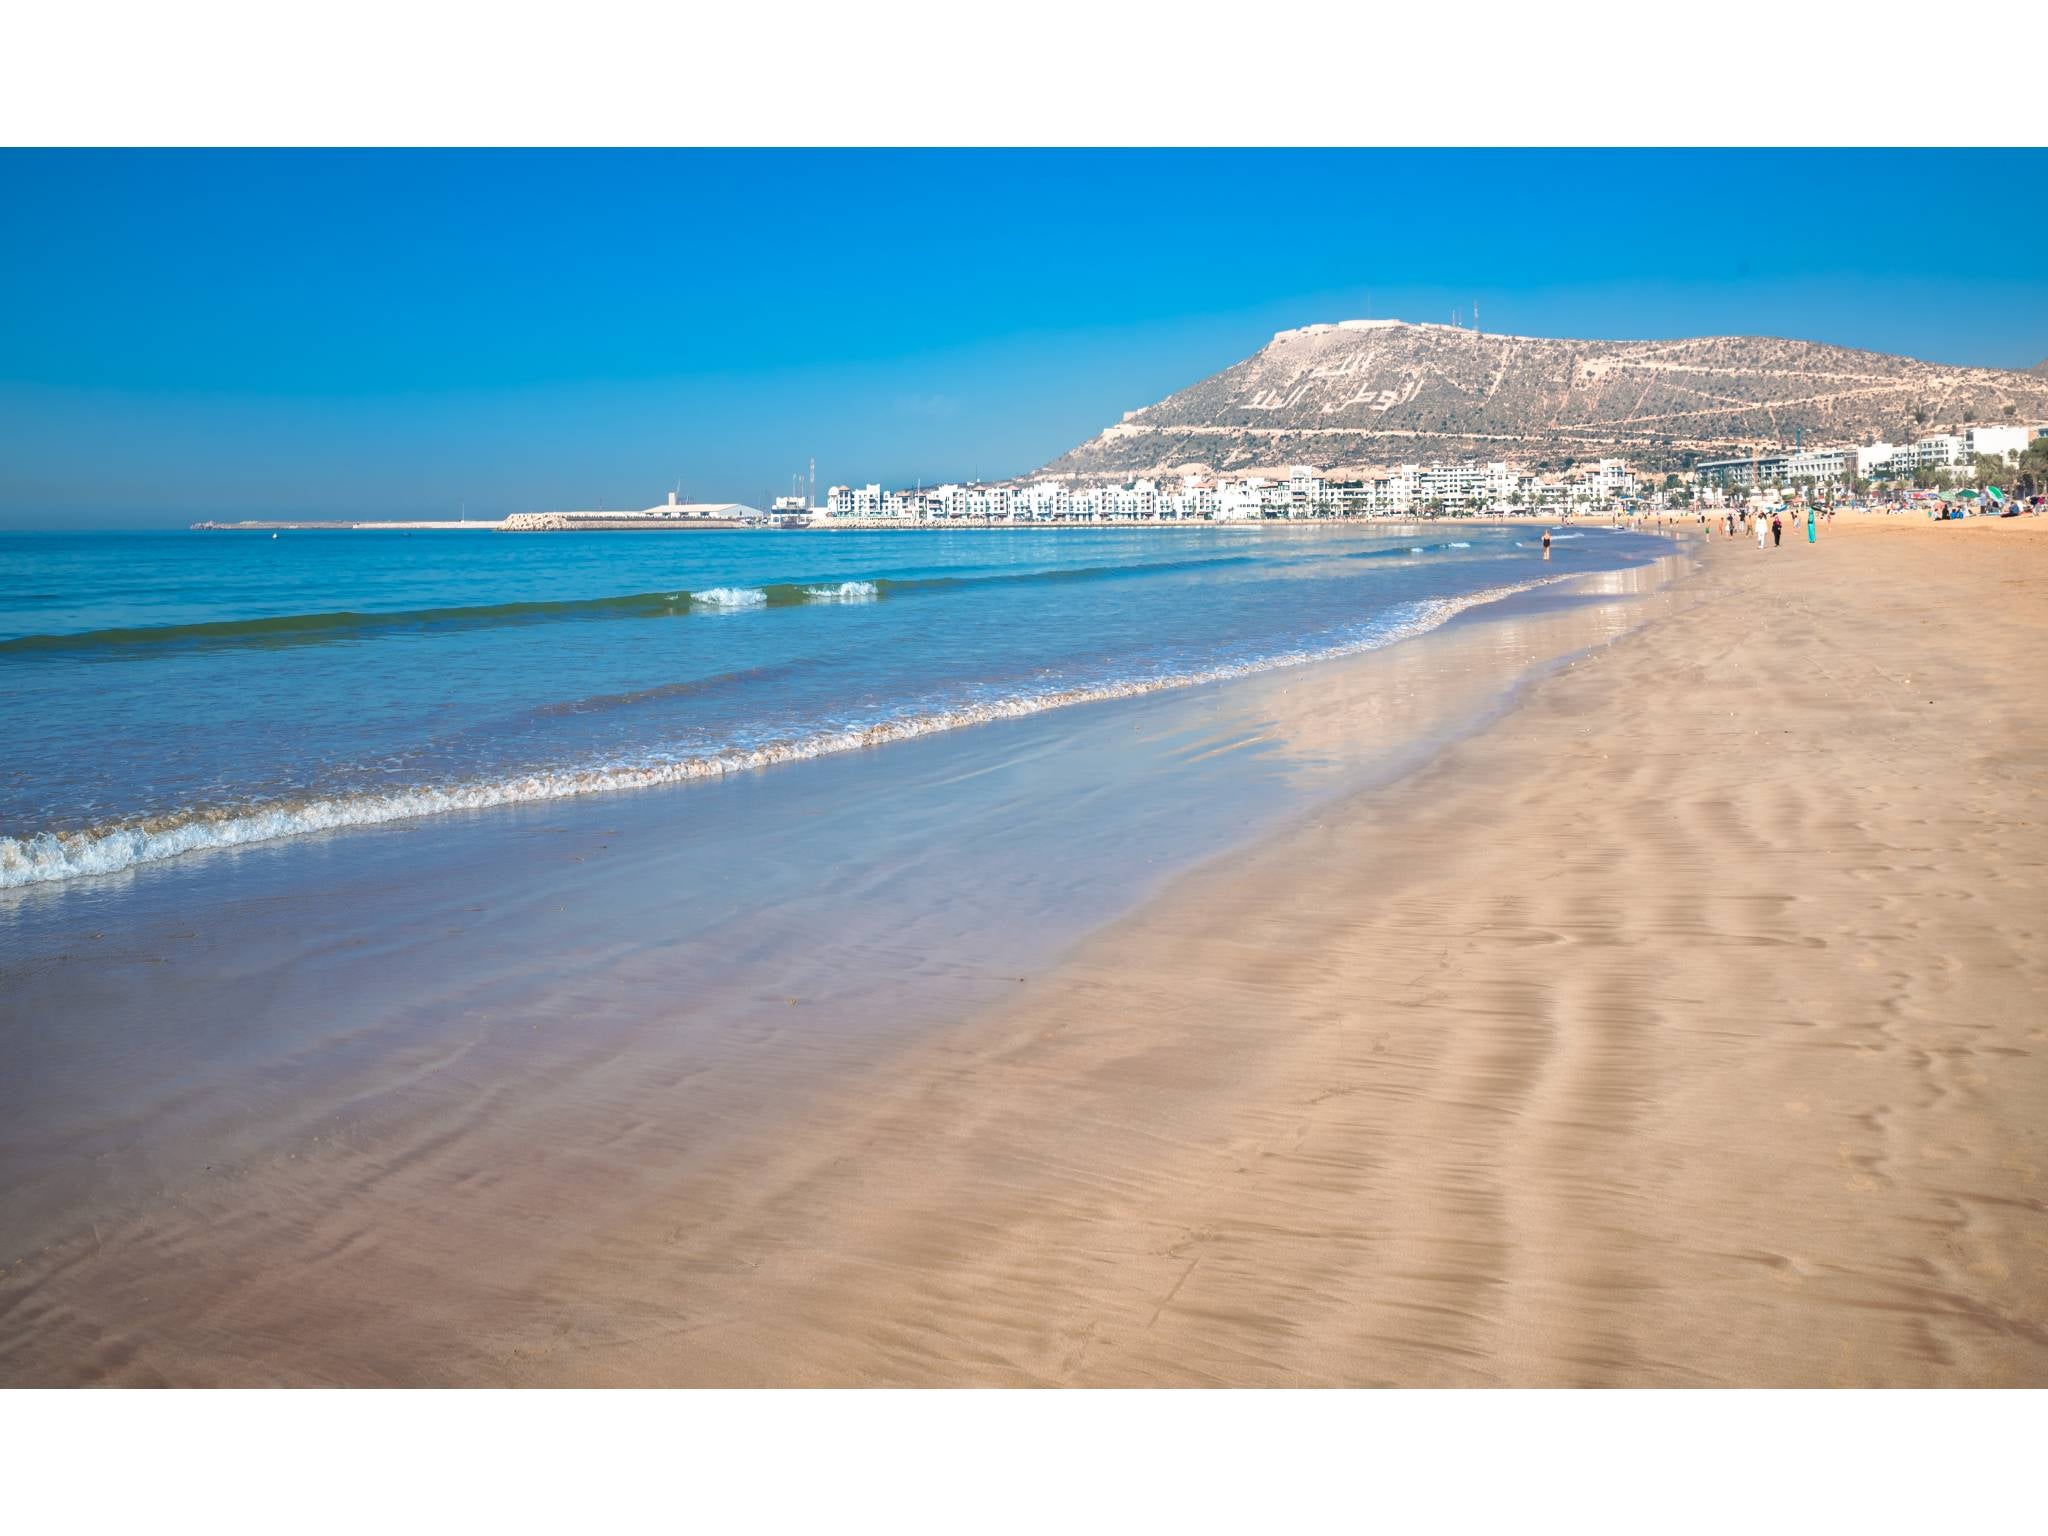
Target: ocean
[172,692]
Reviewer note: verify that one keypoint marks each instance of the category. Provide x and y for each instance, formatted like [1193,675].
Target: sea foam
[730,597]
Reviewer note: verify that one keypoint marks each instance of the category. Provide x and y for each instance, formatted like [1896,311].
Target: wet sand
[1684,1028]
[1679,1027]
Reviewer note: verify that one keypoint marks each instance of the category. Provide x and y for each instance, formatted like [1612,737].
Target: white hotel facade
[1305,493]
[1954,451]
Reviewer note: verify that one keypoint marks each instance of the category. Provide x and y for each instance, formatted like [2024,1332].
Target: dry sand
[1683,1028]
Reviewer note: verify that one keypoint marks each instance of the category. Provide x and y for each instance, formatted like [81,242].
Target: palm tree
[2033,466]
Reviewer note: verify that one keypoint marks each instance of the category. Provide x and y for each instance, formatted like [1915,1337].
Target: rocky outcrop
[1363,393]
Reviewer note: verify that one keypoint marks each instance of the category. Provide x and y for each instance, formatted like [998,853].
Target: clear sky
[186,334]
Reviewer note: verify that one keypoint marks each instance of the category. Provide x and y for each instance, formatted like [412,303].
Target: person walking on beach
[1777,529]
[1760,530]
[1546,543]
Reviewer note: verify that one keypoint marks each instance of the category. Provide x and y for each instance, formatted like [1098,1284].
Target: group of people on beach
[1770,532]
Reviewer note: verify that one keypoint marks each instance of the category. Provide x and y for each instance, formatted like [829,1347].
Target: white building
[854,502]
[1954,451]
[1820,464]
[676,508]
[1196,498]
[1241,500]
[1996,441]
[1306,491]
[1817,464]
[1604,482]
[1459,485]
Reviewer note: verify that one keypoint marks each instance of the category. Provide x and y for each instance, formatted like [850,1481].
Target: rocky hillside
[1368,392]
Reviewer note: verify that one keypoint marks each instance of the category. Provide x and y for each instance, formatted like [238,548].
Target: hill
[1369,392]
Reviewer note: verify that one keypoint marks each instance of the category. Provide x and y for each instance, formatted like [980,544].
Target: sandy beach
[1679,1025]
[1682,1029]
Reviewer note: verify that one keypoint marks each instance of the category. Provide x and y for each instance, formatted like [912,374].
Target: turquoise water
[171,692]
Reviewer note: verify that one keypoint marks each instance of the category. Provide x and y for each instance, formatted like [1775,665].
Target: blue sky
[185,334]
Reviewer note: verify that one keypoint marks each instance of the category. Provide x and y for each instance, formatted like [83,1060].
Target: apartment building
[1305,493]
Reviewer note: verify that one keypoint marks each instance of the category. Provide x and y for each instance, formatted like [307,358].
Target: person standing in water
[1546,543]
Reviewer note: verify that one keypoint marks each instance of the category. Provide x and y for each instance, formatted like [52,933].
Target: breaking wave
[108,848]
[731,597]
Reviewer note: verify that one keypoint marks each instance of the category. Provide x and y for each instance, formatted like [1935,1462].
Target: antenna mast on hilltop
[813,498]
[1475,317]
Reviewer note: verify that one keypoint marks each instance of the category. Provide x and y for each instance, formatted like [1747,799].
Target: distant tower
[1475,317]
